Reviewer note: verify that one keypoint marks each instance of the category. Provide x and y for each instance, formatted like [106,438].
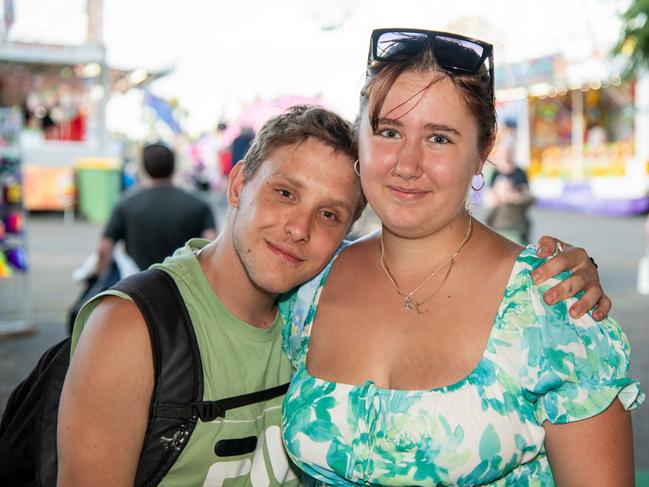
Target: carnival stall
[581,134]
[61,91]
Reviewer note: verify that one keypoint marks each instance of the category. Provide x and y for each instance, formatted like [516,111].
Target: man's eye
[329,215]
[284,193]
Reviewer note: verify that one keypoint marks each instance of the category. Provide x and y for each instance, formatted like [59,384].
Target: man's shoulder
[129,197]
[117,314]
[182,194]
[168,196]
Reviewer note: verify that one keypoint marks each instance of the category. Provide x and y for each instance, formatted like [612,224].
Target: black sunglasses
[453,52]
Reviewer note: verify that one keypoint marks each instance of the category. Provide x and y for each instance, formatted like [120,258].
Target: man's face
[292,214]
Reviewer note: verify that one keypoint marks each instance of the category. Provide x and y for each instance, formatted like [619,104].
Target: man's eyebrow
[429,126]
[289,179]
[300,185]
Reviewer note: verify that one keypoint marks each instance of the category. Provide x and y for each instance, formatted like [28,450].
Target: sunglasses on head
[453,52]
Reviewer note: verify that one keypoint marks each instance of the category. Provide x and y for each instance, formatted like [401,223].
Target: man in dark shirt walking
[157,218]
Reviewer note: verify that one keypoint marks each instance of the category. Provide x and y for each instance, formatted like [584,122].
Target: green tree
[634,39]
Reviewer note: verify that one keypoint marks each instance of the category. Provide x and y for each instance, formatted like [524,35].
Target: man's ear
[235,184]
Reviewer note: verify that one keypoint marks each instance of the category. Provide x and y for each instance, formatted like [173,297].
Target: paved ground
[56,248]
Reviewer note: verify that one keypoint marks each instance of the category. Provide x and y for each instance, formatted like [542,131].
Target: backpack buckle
[208,410]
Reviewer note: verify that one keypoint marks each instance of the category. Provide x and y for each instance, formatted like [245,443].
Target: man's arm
[105,401]
[584,277]
[114,232]
[593,452]
[104,254]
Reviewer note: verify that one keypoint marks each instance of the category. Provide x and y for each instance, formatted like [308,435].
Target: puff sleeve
[572,368]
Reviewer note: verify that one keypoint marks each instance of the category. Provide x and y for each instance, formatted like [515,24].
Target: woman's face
[416,168]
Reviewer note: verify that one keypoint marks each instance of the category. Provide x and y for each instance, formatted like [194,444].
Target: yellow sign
[48,188]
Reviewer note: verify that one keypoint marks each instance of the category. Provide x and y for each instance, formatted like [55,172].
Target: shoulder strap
[210,410]
[172,335]
[178,372]
[176,403]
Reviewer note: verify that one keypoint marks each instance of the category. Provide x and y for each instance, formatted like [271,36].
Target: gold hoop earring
[482,184]
[357,168]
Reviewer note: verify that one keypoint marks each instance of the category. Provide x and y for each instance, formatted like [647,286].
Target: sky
[225,54]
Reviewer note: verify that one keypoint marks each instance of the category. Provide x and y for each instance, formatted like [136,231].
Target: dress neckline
[306,331]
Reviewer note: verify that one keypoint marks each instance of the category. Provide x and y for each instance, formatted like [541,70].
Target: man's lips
[284,253]
[407,193]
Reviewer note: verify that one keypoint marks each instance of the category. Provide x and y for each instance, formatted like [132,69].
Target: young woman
[425,354]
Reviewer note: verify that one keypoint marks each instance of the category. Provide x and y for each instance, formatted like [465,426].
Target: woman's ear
[235,184]
[486,152]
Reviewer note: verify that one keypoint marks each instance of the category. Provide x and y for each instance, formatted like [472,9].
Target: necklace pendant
[412,305]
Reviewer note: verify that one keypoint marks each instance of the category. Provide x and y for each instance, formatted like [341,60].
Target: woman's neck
[412,259]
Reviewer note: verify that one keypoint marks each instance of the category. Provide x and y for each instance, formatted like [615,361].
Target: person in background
[156,218]
[509,198]
[241,144]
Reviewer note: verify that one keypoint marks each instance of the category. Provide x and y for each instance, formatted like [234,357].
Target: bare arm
[593,452]
[104,254]
[584,277]
[105,401]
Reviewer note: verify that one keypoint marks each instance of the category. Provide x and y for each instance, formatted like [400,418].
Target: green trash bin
[98,187]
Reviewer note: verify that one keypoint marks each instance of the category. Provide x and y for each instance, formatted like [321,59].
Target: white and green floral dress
[539,364]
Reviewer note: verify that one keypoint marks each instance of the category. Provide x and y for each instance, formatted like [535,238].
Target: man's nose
[298,226]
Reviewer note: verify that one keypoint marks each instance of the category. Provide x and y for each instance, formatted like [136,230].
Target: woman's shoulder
[297,308]
[527,260]
[355,255]
[543,326]
[521,285]
[565,359]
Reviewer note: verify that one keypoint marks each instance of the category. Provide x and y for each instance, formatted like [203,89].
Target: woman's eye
[389,133]
[439,139]
[284,193]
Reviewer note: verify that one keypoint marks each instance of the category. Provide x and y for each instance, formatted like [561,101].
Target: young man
[293,200]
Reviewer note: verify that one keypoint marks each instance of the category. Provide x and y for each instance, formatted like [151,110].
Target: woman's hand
[584,277]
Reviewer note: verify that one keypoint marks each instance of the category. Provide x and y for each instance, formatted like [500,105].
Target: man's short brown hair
[295,126]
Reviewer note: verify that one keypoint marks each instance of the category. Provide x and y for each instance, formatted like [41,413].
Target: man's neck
[231,284]
[157,182]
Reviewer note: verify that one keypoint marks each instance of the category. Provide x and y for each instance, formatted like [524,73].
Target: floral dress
[539,364]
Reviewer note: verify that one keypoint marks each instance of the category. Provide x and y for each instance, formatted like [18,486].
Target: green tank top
[237,358]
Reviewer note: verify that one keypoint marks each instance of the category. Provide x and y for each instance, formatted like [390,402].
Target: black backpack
[29,423]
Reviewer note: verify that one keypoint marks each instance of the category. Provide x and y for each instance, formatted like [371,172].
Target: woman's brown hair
[475,90]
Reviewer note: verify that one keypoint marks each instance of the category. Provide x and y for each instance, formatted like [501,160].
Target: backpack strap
[178,372]
[176,403]
[210,410]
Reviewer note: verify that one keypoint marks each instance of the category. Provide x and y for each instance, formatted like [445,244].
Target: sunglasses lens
[459,53]
[390,44]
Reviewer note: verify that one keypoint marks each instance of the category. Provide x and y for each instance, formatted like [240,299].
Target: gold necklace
[409,302]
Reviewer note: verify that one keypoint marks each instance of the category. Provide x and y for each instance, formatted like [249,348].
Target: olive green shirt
[237,359]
